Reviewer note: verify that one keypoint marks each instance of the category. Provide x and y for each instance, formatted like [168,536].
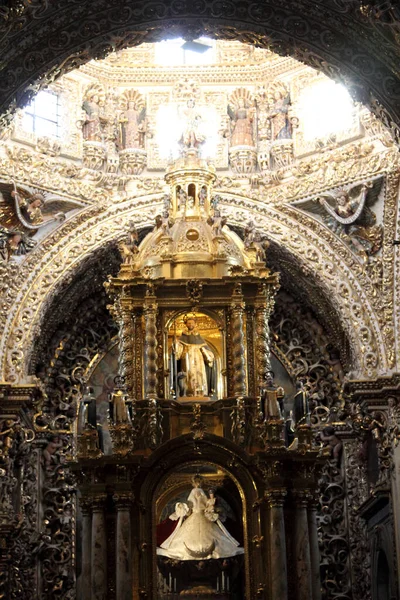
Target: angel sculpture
[216,222]
[347,212]
[254,240]
[164,223]
[22,213]
[132,126]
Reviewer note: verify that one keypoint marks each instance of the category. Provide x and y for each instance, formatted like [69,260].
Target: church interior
[199,291]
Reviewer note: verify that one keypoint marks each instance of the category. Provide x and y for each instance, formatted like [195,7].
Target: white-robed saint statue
[196,370]
[199,534]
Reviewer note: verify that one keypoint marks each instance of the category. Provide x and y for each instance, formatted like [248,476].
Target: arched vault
[325,276]
[348,41]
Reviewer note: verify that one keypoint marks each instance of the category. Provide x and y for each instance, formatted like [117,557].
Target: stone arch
[62,256]
[346,44]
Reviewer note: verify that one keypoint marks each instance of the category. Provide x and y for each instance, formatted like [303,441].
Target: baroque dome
[191,238]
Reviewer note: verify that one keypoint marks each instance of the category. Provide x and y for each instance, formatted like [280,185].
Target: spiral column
[150,344]
[238,343]
[264,304]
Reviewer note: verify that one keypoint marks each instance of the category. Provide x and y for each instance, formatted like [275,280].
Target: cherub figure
[329,438]
[347,212]
[49,453]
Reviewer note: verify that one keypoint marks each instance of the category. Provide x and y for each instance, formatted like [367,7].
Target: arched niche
[216,461]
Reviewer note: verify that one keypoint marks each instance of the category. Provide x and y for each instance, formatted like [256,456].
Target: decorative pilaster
[150,344]
[99,549]
[314,549]
[238,345]
[264,304]
[277,544]
[301,548]
[86,568]
[124,568]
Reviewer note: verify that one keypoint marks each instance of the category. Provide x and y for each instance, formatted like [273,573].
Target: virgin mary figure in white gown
[199,534]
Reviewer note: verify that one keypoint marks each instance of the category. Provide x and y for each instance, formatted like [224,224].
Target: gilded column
[263,305]
[238,346]
[86,569]
[302,555]
[99,550]
[314,549]
[150,344]
[277,544]
[126,362]
[124,564]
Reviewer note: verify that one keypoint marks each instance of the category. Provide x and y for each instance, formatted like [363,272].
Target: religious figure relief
[193,363]
[347,212]
[255,242]
[93,122]
[132,121]
[129,248]
[192,135]
[216,222]
[279,104]
[241,111]
[22,213]
[199,533]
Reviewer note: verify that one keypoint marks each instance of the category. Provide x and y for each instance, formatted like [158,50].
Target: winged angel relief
[22,213]
[347,212]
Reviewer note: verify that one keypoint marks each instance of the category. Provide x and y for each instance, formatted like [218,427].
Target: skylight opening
[170,53]
[43,115]
[326,108]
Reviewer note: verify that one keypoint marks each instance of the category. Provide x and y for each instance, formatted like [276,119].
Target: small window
[43,115]
[171,53]
[326,108]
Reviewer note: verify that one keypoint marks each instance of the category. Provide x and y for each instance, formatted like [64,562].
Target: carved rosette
[243,159]
[132,161]
[150,344]
[94,155]
[238,344]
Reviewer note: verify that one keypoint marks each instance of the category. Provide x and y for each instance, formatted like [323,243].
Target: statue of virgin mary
[199,534]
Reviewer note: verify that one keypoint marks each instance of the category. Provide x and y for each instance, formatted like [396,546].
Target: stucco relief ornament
[347,212]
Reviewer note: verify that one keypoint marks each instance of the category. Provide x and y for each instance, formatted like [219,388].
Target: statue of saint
[199,533]
[132,127]
[279,118]
[192,136]
[242,123]
[92,126]
[195,362]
